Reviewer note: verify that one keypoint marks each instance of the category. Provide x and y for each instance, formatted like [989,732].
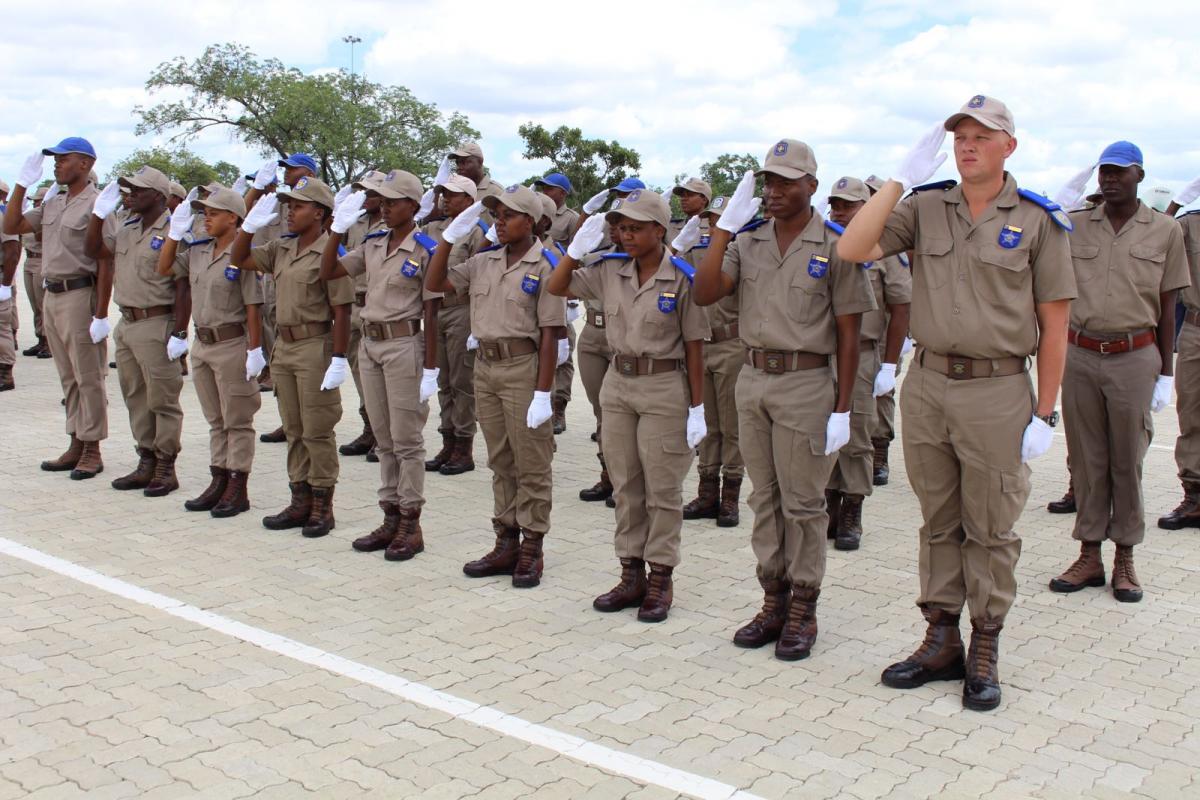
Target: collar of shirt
[1143,214]
[814,231]
[665,272]
[532,256]
[1007,198]
[408,245]
[317,246]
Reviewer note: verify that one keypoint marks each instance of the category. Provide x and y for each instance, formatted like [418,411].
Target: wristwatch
[1050,419]
[180,335]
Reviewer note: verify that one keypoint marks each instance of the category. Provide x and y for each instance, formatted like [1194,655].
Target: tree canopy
[590,164]
[180,165]
[725,172]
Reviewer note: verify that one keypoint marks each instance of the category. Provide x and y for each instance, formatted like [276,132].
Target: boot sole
[135,487]
[163,492]
[1127,595]
[596,499]
[1053,509]
[793,656]
[755,645]
[613,609]
[225,514]
[526,583]
[50,467]
[956,672]
[975,705]
[76,475]
[700,515]
[283,526]
[489,573]
[403,556]
[1166,526]
[878,482]
[456,470]
[838,544]
[725,522]
[316,534]
[1062,587]
[651,617]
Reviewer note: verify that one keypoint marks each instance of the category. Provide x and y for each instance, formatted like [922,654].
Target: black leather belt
[58,287]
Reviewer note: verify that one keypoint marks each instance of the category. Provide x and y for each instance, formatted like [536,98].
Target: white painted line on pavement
[642,770]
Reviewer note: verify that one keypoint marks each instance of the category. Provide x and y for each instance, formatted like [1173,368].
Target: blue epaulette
[290,236]
[678,221]
[426,241]
[1052,208]
[132,221]
[622,256]
[549,255]
[599,248]
[376,235]
[1188,213]
[341,250]
[833,226]
[904,260]
[687,269]
[933,187]
[195,242]
[490,249]
[561,249]
[483,226]
[751,225]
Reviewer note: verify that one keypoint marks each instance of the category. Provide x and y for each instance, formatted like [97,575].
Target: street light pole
[352,40]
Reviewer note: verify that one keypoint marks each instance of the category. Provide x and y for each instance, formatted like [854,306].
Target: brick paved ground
[104,696]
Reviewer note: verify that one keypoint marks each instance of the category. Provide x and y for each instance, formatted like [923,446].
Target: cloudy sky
[681,82]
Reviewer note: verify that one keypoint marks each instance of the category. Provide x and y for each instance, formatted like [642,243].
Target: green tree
[348,124]
[180,165]
[590,164]
[725,172]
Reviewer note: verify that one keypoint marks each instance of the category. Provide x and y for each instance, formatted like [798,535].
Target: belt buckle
[372,330]
[773,362]
[599,321]
[1104,346]
[206,335]
[627,365]
[491,350]
[127,314]
[958,368]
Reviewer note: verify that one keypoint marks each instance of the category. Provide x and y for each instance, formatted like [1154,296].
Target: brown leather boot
[767,623]
[707,503]
[363,442]
[939,658]
[443,455]
[372,455]
[236,498]
[660,591]
[142,474]
[36,349]
[880,471]
[409,540]
[503,557]
[265,384]
[382,536]
[67,460]
[209,498]
[629,591]
[164,481]
[849,529]
[274,437]
[462,457]
[559,417]
[1125,585]
[297,511]
[981,692]
[799,633]
[89,464]
[1087,570]
[6,378]
[602,490]
[833,507]
[320,517]
[1067,504]
[1185,515]
[527,572]
[727,511]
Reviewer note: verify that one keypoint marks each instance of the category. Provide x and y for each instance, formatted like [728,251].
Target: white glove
[573,311]
[472,342]
[1162,392]
[31,170]
[342,194]
[741,206]
[336,374]
[697,429]
[348,211]
[596,202]
[443,172]
[923,160]
[688,237]
[1036,439]
[885,379]
[426,207]
[176,347]
[6,293]
[460,227]
[256,362]
[907,347]
[99,330]
[265,175]
[429,387]
[1070,196]
[239,185]
[837,432]
[51,193]
[1189,193]
[182,218]
[587,238]
[491,234]
[107,201]
[564,351]
[539,410]
[822,208]
[262,215]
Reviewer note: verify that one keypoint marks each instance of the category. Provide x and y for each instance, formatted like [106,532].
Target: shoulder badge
[530,283]
[341,251]
[375,235]
[1010,237]
[489,249]
[614,256]
[426,241]
[483,226]
[156,242]
[1060,217]
[550,256]
[410,267]
[705,241]
[198,242]
[754,223]
[687,269]
[934,187]
[232,273]
[667,301]
[818,266]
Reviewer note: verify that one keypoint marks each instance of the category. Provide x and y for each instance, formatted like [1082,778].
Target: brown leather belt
[221,333]
[1111,345]
[501,349]
[452,299]
[58,287]
[632,365]
[297,333]
[130,314]
[777,362]
[360,299]
[595,318]
[380,331]
[723,333]
[1192,317]
[962,368]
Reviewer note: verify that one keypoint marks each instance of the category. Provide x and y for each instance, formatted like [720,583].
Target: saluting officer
[35,291]
[309,361]
[557,187]
[77,339]
[227,356]
[564,372]
[468,162]
[852,480]
[992,284]
[799,305]
[517,323]
[10,254]
[1129,264]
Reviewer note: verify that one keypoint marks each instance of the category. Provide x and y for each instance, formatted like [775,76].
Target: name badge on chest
[410,268]
[1010,237]
[232,273]
[156,243]
[667,302]
[530,283]
[818,266]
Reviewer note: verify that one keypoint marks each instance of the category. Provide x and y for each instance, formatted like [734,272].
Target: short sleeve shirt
[562,227]
[135,249]
[891,283]
[301,296]
[354,238]
[1190,223]
[976,282]
[652,320]
[217,299]
[789,302]
[1120,274]
[509,301]
[395,281]
[724,312]
[64,221]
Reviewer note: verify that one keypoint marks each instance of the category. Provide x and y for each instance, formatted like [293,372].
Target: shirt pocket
[807,297]
[300,290]
[1003,275]
[1085,257]
[1146,265]
[934,261]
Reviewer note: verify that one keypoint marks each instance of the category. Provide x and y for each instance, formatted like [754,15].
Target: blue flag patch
[667,302]
[530,283]
[818,266]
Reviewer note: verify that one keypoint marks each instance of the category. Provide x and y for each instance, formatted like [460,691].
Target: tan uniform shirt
[891,283]
[269,233]
[395,281]
[972,296]
[216,300]
[354,238]
[724,312]
[1121,274]
[32,246]
[300,294]
[562,227]
[652,320]
[509,301]
[789,302]
[136,282]
[64,225]
[467,246]
[1190,223]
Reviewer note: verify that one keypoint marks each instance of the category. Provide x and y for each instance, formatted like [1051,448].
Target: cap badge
[780,149]
[634,195]
[841,184]
[512,189]
[140,171]
[391,176]
[1010,237]
[719,202]
[871,178]
[818,266]
[300,184]
[976,101]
